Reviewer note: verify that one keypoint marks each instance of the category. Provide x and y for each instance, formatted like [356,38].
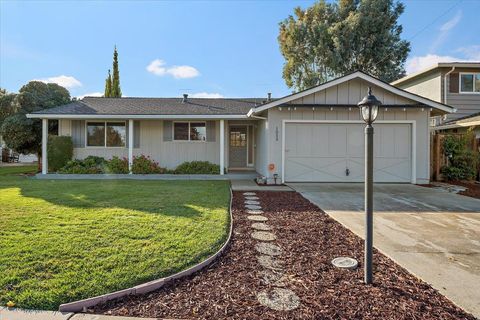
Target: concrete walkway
[432,233]
[23,314]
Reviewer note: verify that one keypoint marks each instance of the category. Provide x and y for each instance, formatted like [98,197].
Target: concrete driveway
[432,233]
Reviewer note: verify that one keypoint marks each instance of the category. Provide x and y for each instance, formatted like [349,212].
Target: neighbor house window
[106,134]
[189,131]
[470,82]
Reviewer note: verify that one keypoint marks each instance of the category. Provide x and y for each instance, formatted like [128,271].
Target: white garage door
[321,152]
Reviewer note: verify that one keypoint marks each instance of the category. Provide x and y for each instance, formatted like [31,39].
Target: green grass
[62,241]
[10,170]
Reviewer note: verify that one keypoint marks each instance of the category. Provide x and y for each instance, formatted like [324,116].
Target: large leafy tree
[8,105]
[333,39]
[25,135]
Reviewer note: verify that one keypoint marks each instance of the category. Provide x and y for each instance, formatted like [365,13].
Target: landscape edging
[81,305]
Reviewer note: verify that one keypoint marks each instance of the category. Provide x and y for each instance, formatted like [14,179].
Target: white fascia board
[362,76]
[132,116]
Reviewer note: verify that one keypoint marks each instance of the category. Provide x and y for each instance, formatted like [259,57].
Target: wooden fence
[438,159]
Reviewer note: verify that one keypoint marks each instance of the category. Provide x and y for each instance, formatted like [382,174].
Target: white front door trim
[413,152]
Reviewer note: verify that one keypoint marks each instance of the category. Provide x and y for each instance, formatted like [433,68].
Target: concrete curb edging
[81,305]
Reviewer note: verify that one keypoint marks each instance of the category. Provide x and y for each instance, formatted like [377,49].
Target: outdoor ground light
[369,111]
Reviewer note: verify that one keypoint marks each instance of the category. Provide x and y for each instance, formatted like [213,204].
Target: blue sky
[203,48]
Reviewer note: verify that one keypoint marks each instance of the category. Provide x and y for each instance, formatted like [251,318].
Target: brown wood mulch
[310,240]
[473,189]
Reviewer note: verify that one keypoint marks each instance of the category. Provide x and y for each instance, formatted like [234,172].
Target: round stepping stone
[252,202]
[254,211]
[249,194]
[279,299]
[257,218]
[270,263]
[261,226]
[274,278]
[263,236]
[345,263]
[268,249]
[251,198]
[253,207]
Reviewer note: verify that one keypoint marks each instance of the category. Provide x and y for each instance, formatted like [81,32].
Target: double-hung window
[106,134]
[470,82]
[189,131]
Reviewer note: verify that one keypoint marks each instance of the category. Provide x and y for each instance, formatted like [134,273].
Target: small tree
[108,85]
[462,160]
[112,83]
[25,135]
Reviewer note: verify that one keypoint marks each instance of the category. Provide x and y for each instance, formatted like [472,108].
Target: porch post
[222,147]
[130,145]
[44,146]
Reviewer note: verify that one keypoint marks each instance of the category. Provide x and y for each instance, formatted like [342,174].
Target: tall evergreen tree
[116,91]
[108,86]
[331,39]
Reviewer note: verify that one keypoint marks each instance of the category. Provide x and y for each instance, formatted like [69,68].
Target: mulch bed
[473,189]
[310,240]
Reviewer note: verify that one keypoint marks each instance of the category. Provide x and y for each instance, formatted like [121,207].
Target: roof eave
[134,116]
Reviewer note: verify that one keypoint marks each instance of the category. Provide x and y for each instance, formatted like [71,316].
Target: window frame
[105,134]
[189,126]
[474,74]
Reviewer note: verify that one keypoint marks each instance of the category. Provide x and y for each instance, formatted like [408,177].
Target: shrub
[89,165]
[462,162]
[145,165]
[117,165]
[198,167]
[59,151]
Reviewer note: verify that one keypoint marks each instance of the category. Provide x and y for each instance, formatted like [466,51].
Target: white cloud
[64,81]
[445,30]
[206,95]
[419,63]
[158,67]
[91,94]
[471,52]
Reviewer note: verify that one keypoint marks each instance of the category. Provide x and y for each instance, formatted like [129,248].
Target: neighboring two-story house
[453,83]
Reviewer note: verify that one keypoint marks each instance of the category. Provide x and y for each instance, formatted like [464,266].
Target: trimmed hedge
[59,151]
[117,165]
[197,167]
[145,165]
[89,165]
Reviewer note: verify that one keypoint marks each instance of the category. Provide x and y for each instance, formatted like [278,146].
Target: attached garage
[326,151]
[317,135]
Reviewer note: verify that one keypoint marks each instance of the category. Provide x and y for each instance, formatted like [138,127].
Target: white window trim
[460,83]
[189,122]
[105,137]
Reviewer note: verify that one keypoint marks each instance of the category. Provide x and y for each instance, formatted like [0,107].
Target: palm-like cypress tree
[116,91]
[108,86]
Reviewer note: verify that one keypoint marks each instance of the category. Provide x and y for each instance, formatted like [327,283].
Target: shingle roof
[155,106]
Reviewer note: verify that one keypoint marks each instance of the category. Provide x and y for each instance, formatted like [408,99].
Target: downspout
[445,85]
[445,90]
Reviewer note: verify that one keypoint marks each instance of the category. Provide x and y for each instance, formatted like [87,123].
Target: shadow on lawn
[169,198]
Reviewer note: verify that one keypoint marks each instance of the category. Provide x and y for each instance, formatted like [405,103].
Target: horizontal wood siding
[466,103]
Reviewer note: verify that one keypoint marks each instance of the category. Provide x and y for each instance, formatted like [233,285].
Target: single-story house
[315,135]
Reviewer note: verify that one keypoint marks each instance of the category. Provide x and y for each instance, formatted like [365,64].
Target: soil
[473,189]
[309,240]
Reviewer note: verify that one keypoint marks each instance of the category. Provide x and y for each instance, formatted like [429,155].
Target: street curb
[82,305]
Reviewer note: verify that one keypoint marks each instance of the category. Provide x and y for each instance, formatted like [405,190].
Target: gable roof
[361,75]
[100,107]
[438,65]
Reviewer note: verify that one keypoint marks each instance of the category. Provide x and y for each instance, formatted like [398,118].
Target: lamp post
[369,111]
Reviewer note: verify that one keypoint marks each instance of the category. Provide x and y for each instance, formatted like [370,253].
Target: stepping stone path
[261,226]
[276,297]
[254,211]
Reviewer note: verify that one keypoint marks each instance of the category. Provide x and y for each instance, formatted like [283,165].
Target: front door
[238,147]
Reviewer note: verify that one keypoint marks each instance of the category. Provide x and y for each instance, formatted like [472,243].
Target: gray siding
[466,103]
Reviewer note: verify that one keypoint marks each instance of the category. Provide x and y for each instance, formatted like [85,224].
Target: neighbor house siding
[465,103]
[420,116]
[429,86]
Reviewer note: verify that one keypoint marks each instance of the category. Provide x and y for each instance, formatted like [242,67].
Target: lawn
[62,241]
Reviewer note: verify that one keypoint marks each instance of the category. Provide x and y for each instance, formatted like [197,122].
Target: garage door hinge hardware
[347,172]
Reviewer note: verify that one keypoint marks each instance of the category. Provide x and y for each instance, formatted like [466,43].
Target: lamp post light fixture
[369,111]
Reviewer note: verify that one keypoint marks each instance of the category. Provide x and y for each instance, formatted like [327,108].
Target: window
[470,82]
[189,131]
[106,134]
[238,139]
